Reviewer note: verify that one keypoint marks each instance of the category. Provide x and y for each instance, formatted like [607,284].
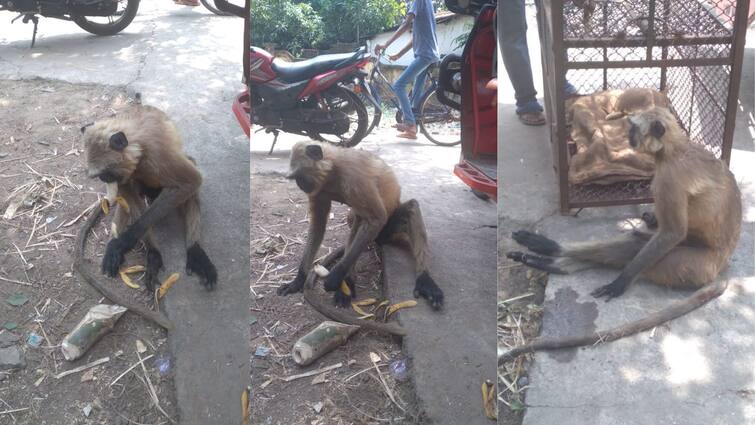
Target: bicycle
[441,124]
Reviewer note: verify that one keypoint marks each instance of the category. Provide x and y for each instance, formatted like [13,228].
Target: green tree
[349,20]
[293,26]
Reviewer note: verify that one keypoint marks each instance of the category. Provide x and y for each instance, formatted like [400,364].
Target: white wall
[446,32]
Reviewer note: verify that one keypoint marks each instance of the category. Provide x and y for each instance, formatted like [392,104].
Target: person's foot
[407,131]
[186,2]
[532,118]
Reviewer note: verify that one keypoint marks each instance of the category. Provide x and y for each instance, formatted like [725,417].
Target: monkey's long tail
[79,266]
[342,315]
[675,310]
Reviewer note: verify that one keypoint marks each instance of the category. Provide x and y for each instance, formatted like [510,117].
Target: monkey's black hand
[342,299]
[114,254]
[612,290]
[650,220]
[294,286]
[154,264]
[198,262]
[425,287]
[334,278]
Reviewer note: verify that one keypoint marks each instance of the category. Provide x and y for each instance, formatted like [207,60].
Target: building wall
[446,32]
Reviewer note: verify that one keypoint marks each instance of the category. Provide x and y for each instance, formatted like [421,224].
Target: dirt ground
[349,394]
[520,297]
[41,159]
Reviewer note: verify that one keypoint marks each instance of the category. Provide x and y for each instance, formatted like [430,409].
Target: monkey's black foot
[535,261]
[342,299]
[650,220]
[612,290]
[536,243]
[113,258]
[334,278]
[154,264]
[426,288]
[294,286]
[198,262]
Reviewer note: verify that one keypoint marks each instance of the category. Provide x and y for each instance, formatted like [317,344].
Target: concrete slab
[695,370]
[188,62]
[451,352]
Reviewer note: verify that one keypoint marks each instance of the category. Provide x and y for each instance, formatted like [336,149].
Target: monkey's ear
[118,141]
[314,152]
[657,129]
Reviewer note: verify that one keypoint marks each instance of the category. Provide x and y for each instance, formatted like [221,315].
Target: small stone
[523,382]
[317,407]
[262,351]
[12,358]
[140,348]
[87,410]
[7,339]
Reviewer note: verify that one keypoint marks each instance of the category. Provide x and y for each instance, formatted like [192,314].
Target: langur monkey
[368,186]
[698,209]
[141,152]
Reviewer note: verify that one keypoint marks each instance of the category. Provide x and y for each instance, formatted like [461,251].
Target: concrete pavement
[188,62]
[453,351]
[694,370]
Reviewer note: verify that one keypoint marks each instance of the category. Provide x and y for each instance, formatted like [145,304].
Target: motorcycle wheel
[116,23]
[342,99]
[210,5]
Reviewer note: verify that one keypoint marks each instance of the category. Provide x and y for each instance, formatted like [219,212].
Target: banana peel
[245,406]
[345,288]
[488,400]
[398,306]
[134,269]
[365,302]
[122,202]
[105,206]
[127,280]
[362,314]
[165,286]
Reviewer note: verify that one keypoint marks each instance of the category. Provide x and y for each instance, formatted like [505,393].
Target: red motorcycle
[316,97]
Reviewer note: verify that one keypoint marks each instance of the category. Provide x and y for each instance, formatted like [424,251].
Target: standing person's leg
[418,90]
[516,59]
[410,73]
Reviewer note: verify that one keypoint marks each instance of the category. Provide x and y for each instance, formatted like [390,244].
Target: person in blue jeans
[516,59]
[421,19]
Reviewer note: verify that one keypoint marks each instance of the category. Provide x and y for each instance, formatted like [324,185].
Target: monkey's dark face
[108,154]
[308,167]
[646,132]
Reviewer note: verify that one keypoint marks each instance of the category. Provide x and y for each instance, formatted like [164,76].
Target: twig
[130,369]
[4,412]
[311,372]
[152,391]
[85,367]
[16,281]
[385,385]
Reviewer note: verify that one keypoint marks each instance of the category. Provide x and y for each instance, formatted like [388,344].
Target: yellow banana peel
[165,287]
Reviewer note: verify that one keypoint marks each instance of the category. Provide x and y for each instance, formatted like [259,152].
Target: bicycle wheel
[210,5]
[439,123]
[109,25]
[341,100]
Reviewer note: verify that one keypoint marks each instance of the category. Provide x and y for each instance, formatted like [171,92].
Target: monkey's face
[646,131]
[108,154]
[308,167]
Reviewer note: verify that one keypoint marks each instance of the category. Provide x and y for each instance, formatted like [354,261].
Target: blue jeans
[415,71]
[516,56]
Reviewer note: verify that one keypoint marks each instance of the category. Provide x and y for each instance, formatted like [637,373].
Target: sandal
[408,134]
[532,118]
[186,2]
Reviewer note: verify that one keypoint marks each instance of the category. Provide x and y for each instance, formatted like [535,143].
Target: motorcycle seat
[292,72]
